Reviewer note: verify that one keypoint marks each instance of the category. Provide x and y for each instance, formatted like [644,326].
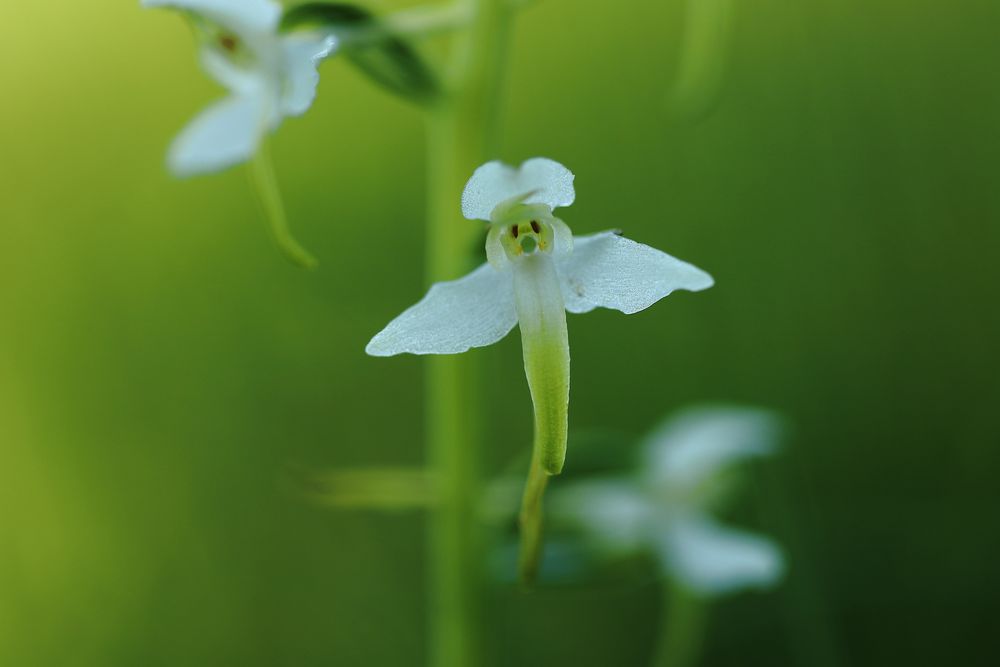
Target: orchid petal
[473,311]
[226,133]
[712,559]
[242,16]
[698,443]
[611,271]
[563,235]
[302,55]
[538,180]
[612,512]
[233,77]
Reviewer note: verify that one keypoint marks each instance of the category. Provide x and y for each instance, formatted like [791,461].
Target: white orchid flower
[666,507]
[536,272]
[269,76]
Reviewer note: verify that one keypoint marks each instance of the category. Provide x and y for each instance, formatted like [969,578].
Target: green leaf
[369,44]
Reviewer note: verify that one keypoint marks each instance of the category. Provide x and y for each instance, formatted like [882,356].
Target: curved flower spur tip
[538,180]
[453,317]
[698,443]
[610,271]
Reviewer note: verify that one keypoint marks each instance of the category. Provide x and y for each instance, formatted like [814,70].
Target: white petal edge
[302,54]
[610,271]
[613,513]
[226,133]
[473,311]
[695,444]
[549,183]
[712,559]
[241,16]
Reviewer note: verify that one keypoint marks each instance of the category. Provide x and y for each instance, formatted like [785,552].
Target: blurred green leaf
[369,43]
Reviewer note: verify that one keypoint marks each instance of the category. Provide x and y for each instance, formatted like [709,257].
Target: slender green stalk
[265,184]
[684,619]
[531,519]
[461,135]
[704,51]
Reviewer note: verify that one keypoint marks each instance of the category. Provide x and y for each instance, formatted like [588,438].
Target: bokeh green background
[161,365]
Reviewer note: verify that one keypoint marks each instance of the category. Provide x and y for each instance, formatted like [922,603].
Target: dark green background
[160,364]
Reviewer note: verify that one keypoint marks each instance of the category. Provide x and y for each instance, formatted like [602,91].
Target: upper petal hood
[547,181]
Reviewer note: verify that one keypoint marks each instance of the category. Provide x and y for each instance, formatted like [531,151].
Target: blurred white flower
[536,272]
[666,506]
[269,76]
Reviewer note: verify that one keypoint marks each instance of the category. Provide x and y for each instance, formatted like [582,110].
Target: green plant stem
[684,619]
[461,136]
[704,52]
[265,184]
[531,519]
